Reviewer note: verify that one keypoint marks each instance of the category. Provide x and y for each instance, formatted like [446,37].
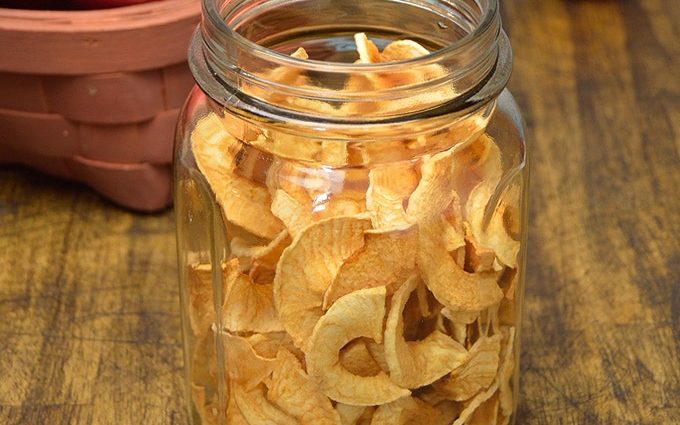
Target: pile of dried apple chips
[382,295]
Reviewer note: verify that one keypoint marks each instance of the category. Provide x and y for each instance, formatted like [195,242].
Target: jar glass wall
[351,204]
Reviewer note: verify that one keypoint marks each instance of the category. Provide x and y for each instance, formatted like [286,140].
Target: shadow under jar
[351,214]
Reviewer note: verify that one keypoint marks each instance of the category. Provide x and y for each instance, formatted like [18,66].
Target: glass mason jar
[351,214]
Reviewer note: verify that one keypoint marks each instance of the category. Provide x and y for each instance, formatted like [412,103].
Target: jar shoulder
[507,128]
[508,106]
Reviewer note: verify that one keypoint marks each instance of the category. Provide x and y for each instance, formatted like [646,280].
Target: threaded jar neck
[242,42]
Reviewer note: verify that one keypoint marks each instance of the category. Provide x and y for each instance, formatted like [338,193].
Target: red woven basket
[94,95]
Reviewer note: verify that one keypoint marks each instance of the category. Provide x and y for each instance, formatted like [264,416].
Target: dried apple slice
[288,75]
[333,153]
[495,235]
[458,322]
[452,286]
[317,107]
[256,409]
[356,315]
[307,268]
[292,213]
[436,190]
[478,258]
[422,295]
[297,215]
[301,181]
[338,206]
[486,413]
[261,274]
[481,172]
[285,145]
[478,161]
[386,259]
[368,52]
[389,188]
[478,373]
[203,372]
[450,411]
[415,364]
[356,358]
[397,51]
[201,299]
[234,416]
[361,82]
[208,408]
[508,281]
[243,202]
[284,75]
[408,49]
[354,415]
[291,390]
[406,411]
[463,317]
[245,365]
[265,255]
[378,353]
[401,50]
[304,194]
[248,307]
[368,81]
[268,345]
[472,405]
[204,361]
[454,233]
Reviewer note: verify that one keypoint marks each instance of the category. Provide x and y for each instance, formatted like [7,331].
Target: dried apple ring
[291,390]
[414,364]
[356,315]
[307,268]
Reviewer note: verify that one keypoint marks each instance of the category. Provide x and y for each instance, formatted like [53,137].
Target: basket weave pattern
[111,129]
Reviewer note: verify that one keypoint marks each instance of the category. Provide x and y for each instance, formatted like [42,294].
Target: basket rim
[128,38]
[97,20]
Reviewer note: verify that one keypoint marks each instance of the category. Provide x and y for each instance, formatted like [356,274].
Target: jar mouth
[243,42]
[489,26]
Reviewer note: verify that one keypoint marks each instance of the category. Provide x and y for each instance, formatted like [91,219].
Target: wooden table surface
[89,322]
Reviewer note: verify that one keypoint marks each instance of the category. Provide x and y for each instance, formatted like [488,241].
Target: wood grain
[89,307]
[598,83]
[88,293]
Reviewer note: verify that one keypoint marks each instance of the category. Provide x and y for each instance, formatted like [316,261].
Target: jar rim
[476,66]
[489,25]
